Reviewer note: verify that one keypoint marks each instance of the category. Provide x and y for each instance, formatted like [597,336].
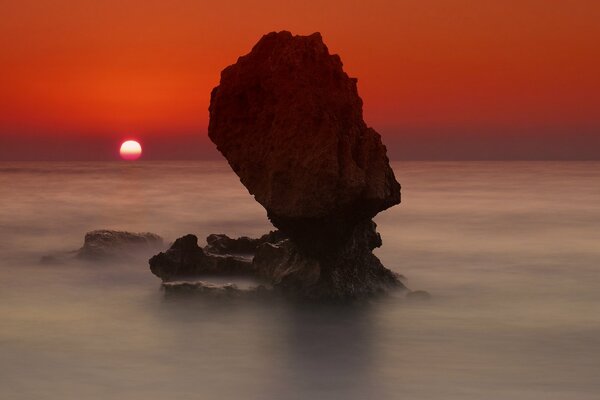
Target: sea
[509,251]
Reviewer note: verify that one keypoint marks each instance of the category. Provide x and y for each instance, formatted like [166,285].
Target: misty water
[510,252]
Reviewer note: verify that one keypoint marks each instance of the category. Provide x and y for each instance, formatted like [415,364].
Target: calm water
[510,252]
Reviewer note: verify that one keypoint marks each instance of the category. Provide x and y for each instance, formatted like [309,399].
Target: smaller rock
[351,272]
[185,259]
[418,295]
[109,244]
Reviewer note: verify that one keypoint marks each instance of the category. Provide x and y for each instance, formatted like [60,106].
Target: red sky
[440,79]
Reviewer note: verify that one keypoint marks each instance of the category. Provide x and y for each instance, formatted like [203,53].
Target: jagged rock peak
[289,121]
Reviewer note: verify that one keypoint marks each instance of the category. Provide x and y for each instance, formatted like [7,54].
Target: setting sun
[130,150]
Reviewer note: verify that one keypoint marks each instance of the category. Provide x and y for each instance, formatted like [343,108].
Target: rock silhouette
[221,256]
[289,121]
[277,264]
[185,266]
[346,271]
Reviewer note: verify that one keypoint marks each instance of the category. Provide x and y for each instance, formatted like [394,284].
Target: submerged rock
[418,295]
[58,258]
[230,290]
[289,121]
[108,244]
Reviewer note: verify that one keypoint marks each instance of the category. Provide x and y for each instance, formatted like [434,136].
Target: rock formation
[289,121]
[221,256]
[185,267]
[186,259]
[350,270]
[108,244]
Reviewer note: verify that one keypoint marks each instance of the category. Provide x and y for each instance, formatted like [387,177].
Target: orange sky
[76,76]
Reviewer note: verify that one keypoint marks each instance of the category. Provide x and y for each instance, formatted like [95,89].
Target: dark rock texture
[107,244]
[223,244]
[289,121]
[278,264]
[208,289]
[186,259]
[350,271]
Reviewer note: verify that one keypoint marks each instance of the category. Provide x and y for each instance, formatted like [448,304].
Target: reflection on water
[509,251]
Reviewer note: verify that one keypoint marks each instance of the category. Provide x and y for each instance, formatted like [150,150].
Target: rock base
[346,271]
[208,289]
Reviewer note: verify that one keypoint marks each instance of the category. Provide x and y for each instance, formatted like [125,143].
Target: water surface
[509,250]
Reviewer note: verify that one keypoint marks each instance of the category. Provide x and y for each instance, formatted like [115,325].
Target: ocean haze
[508,250]
[404,143]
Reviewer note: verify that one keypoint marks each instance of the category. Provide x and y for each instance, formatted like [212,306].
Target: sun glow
[130,150]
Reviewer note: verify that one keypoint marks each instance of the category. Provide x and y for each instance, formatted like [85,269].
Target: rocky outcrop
[107,244]
[277,264]
[289,121]
[350,271]
[209,289]
[186,259]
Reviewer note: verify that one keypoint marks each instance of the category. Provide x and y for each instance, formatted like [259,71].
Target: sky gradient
[440,79]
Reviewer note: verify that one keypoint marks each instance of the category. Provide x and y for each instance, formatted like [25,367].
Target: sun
[130,150]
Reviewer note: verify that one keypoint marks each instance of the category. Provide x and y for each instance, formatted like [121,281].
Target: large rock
[289,121]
